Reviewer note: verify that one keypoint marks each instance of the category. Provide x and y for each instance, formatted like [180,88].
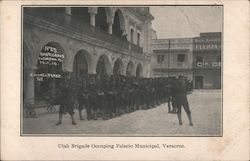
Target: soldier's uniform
[100,103]
[181,99]
[136,94]
[106,108]
[92,108]
[123,94]
[126,93]
[66,100]
[119,89]
[110,99]
[130,95]
[167,94]
[145,93]
[81,87]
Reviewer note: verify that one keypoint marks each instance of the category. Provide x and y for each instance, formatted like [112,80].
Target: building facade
[93,40]
[207,61]
[172,57]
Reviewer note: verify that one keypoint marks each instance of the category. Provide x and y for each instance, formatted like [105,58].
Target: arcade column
[29,86]
[68,15]
[110,28]
[92,12]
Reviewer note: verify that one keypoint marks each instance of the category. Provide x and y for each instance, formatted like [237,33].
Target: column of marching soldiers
[108,96]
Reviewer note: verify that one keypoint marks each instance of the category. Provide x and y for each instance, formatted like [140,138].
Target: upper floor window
[132,35]
[138,39]
[181,57]
[160,59]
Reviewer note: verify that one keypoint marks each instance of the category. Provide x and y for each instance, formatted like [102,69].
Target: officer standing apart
[180,91]
[66,99]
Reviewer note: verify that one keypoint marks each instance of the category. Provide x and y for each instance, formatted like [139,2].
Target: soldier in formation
[109,96]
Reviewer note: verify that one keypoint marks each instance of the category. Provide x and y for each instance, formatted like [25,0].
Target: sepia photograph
[122,70]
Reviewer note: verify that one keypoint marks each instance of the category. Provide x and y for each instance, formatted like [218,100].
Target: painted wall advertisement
[49,64]
[207,44]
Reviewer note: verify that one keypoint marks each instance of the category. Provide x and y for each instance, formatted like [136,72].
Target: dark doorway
[198,82]
[132,36]
[139,71]
[117,67]
[80,65]
[129,69]
[117,24]
[101,66]
[49,72]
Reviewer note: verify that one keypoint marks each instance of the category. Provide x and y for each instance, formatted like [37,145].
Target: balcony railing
[76,25]
[136,49]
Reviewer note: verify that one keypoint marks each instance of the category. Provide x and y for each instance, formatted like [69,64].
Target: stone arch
[118,23]
[75,47]
[54,48]
[118,67]
[81,63]
[103,65]
[130,69]
[139,71]
[59,41]
[49,71]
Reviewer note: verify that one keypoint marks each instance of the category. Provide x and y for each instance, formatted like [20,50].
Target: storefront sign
[206,47]
[207,44]
[208,64]
[207,40]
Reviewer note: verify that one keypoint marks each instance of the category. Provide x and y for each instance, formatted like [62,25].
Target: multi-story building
[172,57]
[207,61]
[94,40]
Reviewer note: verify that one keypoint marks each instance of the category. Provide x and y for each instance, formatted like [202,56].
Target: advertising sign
[208,64]
[207,44]
[49,64]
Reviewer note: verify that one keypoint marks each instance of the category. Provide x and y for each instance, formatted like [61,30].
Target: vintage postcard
[85,80]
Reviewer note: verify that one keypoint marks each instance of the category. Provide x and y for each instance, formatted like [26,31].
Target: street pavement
[205,106]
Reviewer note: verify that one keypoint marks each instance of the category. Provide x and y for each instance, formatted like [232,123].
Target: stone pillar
[68,10]
[68,15]
[110,28]
[92,65]
[29,91]
[92,19]
[92,12]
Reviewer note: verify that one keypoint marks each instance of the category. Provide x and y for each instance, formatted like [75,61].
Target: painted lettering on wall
[49,64]
[207,44]
[50,56]
[208,64]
